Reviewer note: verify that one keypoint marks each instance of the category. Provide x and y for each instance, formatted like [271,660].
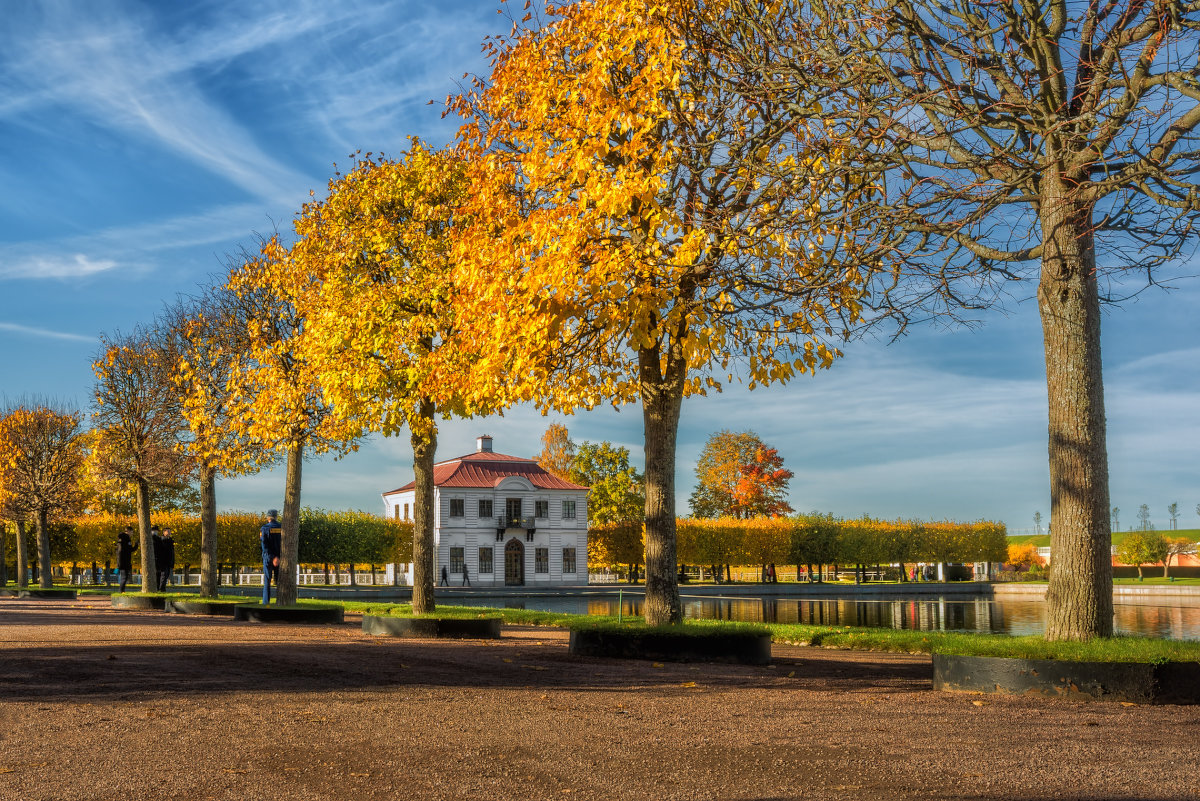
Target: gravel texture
[112,704]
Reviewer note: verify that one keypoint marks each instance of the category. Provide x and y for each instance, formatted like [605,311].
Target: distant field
[1043,540]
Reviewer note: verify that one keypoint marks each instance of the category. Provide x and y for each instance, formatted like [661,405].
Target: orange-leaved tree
[209,333]
[668,234]
[41,463]
[371,272]
[273,398]
[137,425]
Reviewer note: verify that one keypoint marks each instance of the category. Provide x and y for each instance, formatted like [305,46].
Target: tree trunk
[662,397]
[208,533]
[43,546]
[289,550]
[3,556]
[145,544]
[424,445]
[22,556]
[1167,567]
[1079,602]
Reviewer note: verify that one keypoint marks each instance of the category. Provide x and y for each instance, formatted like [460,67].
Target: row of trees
[809,539]
[648,199]
[325,538]
[1148,547]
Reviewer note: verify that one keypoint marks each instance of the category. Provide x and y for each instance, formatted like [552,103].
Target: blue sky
[145,141]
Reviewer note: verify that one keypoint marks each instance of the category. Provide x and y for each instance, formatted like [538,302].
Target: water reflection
[1017,617]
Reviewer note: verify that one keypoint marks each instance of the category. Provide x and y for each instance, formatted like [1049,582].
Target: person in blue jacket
[271,537]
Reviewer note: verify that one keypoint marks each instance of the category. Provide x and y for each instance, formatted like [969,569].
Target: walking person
[466,577]
[271,539]
[125,549]
[165,562]
[445,582]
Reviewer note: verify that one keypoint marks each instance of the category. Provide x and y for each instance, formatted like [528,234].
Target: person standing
[271,538]
[165,560]
[125,549]
[149,585]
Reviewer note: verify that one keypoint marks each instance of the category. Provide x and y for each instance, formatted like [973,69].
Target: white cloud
[44,333]
[52,266]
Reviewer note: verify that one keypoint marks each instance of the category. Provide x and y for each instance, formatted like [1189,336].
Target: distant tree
[762,486]
[1176,546]
[737,475]
[1116,518]
[41,462]
[1037,523]
[1144,523]
[1024,556]
[1173,511]
[558,451]
[618,491]
[1142,548]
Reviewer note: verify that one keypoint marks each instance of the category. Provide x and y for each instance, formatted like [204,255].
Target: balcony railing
[505,521]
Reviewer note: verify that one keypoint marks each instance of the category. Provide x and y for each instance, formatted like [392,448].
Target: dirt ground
[101,703]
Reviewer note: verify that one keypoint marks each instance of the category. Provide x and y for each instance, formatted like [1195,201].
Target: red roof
[485,469]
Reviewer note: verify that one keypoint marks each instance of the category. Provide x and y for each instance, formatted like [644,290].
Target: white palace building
[504,519]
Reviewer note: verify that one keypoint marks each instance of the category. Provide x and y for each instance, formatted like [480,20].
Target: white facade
[503,519]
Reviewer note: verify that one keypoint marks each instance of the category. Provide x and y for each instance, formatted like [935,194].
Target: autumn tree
[1024,556]
[1176,546]
[1142,548]
[669,236]
[209,333]
[41,462]
[373,274]
[1048,142]
[737,475]
[616,493]
[273,399]
[138,425]
[558,451]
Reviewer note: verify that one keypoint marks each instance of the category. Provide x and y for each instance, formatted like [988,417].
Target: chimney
[484,444]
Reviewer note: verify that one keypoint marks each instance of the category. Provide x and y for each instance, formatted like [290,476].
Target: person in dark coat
[164,560]
[271,538]
[125,548]
[445,582]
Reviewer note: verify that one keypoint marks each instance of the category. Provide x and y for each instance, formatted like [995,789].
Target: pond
[1176,619]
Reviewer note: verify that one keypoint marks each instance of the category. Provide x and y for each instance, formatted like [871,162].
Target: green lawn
[1043,540]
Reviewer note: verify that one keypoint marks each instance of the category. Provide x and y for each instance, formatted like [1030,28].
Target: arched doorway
[514,564]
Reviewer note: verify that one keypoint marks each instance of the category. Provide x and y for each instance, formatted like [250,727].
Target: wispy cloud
[49,266]
[44,333]
[110,65]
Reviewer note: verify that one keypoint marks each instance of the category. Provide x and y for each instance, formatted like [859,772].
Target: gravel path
[100,703]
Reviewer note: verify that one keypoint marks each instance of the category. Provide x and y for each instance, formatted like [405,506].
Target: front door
[514,564]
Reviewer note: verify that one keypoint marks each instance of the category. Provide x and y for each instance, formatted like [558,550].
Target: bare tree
[1173,511]
[1045,141]
[138,424]
[1116,518]
[1144,523]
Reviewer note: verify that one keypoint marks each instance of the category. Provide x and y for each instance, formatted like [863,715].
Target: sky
[146,143]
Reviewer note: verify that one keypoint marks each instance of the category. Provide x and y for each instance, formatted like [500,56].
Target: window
[568,560]
[456,560]
[512,509]
[568,510]
[485,509]
[541,508]
[397,513]
[485,560]
[456,507]
[406,511]
[541,560]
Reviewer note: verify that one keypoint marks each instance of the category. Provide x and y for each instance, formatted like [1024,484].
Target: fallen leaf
[688,684]
[506,659]
[1128,703]
[979,703]
[231,770]
[793,673]
[658,665]
[8,770]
